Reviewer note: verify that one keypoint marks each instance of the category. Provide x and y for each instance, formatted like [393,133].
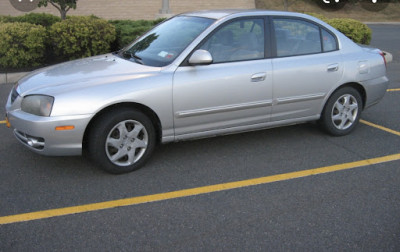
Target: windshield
[160,46]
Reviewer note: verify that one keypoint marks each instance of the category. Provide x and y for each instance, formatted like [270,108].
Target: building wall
[179,6]
[132,9]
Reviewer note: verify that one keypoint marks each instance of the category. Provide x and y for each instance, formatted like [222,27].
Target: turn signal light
[69,127]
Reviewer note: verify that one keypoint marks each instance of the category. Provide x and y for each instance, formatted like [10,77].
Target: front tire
[342,112]
[122,140]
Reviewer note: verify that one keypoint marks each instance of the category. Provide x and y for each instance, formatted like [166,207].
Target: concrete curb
[9,78]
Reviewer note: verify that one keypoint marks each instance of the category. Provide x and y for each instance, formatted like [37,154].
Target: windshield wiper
[138,59]
[129,55]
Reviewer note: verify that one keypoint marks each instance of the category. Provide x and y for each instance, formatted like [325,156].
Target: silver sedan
[197,75]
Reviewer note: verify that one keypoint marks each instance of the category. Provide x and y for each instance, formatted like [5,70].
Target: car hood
[81,73]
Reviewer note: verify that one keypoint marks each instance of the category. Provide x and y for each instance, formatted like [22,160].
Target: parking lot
[291,188]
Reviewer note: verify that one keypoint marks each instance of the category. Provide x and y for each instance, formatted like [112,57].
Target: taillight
[383,56]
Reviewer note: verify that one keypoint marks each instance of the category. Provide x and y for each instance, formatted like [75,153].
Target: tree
[63,6]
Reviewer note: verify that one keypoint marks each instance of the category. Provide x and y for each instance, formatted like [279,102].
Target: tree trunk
[63,14]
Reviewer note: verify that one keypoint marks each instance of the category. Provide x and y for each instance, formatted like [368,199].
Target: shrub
[6,19]
[43,19]
[21,45]
[128,30]
[79,37]
[355,30]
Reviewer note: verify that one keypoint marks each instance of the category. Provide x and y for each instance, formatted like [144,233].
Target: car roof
[219,14]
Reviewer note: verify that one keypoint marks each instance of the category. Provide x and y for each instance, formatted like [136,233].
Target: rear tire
[122,140]
[342,112]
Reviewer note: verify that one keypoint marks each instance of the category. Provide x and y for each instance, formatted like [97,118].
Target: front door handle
[258,77]
[333,67]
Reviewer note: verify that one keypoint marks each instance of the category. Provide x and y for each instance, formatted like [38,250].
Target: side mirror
[200,57]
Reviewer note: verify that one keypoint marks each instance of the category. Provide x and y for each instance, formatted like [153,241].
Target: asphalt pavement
[354,206]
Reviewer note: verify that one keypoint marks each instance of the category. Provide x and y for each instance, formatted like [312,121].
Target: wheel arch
[357,86]
[129,105]
[347,125]
[361,90]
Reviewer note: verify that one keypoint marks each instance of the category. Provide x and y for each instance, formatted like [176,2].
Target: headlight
[40,105]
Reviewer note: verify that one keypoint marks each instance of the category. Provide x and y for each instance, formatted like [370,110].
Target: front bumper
[39,133]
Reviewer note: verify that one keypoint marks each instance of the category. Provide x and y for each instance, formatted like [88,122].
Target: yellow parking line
[191,192]
[380,127]
[393,90]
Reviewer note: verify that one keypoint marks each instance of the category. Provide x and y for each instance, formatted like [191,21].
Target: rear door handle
[333,67]
[258,77]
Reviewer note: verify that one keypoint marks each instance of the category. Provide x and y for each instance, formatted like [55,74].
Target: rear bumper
[376,89]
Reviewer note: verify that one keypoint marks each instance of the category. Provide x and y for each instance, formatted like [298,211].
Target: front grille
[14,95]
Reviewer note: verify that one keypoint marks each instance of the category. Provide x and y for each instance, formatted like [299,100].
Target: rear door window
[298,37]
